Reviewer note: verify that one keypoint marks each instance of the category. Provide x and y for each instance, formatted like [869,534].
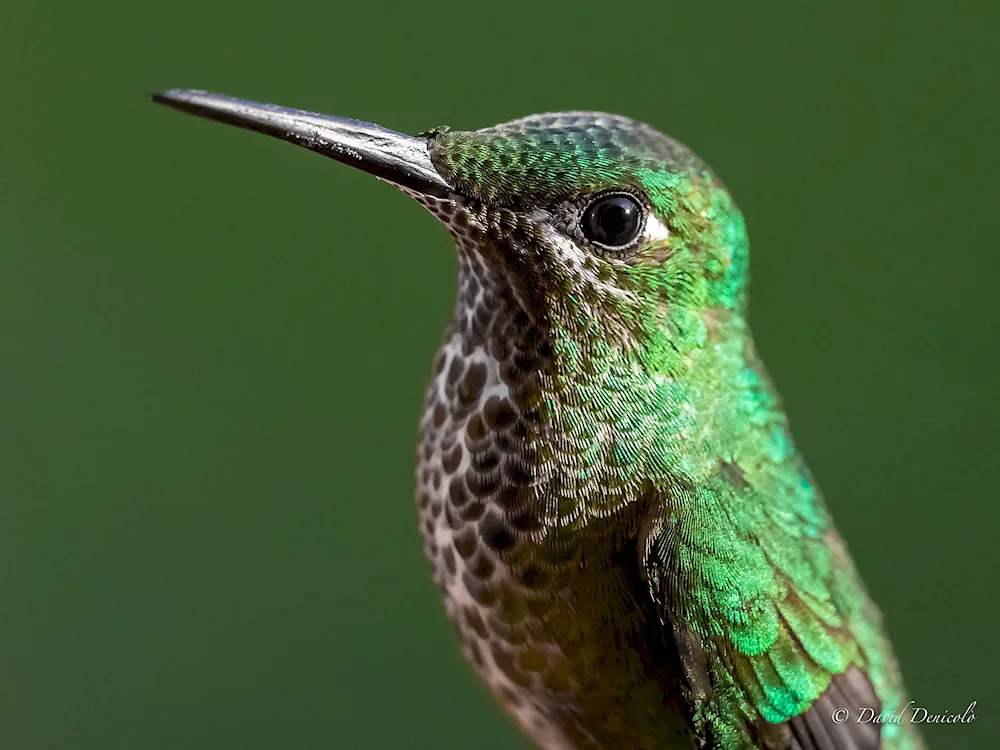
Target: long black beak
[400,159]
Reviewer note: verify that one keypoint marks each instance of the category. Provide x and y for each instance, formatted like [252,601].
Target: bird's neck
[602,416]
[706,396]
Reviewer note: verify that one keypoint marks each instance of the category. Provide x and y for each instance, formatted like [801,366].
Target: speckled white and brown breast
[555,621]
[473,476]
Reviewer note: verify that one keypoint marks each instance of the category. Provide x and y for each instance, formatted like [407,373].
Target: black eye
[612,220]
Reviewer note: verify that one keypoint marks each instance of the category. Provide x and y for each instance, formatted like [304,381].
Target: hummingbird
[630,547]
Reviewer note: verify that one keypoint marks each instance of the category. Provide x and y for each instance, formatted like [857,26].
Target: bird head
[604,231]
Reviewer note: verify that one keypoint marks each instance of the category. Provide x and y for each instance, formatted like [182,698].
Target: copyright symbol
[840,715]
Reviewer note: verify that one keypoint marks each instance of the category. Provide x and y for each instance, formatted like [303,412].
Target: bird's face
[602,227]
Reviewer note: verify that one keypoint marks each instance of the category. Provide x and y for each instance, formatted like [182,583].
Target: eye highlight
[613,220]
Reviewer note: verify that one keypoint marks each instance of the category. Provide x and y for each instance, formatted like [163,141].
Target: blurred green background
[213,346]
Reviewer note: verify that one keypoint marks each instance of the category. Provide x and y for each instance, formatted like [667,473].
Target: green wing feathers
[766,609]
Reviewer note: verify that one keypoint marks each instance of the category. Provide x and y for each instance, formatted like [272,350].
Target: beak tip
[172,97]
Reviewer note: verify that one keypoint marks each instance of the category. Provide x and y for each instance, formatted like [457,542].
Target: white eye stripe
[656,230]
